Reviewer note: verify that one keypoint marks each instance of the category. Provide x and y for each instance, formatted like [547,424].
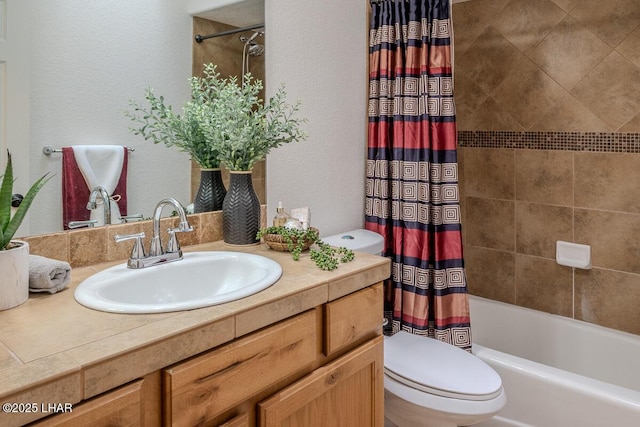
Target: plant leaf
[10,229]
[5,196]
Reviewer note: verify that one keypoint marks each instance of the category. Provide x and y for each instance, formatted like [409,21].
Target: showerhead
[252,48]
[255,49]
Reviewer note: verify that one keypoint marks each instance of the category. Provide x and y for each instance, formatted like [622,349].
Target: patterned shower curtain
[412,194]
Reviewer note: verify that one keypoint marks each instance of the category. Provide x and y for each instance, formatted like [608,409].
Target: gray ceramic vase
[211,191]
[241,211]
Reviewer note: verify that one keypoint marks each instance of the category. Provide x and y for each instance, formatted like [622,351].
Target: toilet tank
[357,240]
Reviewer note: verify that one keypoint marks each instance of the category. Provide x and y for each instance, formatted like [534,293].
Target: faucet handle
[173,245]
[137,252]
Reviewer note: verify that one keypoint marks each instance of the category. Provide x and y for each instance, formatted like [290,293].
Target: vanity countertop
[54,350]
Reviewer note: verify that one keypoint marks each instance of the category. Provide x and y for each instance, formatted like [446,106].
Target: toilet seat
[438,368]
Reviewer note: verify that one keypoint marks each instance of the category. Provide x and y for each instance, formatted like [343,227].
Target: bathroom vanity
[306,351]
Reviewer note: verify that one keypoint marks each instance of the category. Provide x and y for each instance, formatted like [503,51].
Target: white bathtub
[556,371]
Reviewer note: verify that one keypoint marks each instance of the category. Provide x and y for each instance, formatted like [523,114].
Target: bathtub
[556,371]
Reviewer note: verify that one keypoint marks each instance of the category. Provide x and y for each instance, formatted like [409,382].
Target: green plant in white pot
[14,254]
[245,129]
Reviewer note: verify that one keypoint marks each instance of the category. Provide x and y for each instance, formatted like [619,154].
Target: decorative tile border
[569,141]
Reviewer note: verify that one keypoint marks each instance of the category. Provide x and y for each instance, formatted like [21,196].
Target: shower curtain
[412,194]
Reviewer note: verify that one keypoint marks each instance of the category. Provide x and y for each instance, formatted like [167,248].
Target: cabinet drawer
[201,388]
[122,406]
[353,317]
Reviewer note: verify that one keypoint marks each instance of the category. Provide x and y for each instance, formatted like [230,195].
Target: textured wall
[567,73]
[319,50]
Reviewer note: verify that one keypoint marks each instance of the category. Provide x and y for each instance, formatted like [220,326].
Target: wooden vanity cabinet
[319,368]
[322,367]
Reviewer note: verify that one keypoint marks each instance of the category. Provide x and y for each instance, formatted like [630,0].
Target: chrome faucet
[157,255]
[79,224]
[104,195]
[172,245]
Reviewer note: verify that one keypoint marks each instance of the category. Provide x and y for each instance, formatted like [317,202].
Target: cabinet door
[120,407]
[347,392]
[353,318]
[200,389]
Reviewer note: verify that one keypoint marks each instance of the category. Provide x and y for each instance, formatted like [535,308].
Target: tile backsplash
[90,246]
[518,202]
[548,115]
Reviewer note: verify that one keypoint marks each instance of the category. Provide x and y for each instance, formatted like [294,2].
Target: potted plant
[159,123]
[14,254]
[245,129]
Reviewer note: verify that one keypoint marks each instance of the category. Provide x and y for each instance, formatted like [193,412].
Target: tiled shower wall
[548,103]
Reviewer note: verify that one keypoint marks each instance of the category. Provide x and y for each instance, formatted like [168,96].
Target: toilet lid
[439,368]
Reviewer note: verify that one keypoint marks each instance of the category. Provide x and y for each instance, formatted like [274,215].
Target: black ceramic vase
[211,191]
[240,211]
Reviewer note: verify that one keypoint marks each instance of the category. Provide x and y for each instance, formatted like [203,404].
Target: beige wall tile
[489,173]
[468,95]
[630,47]
[574,44]
[88,246]
[54,245]
[490,273]
[473,18]
[527,92]
[632,125]
[211,227]
[565,5]
[613,237]
[609,181]
[490,115]
[569,52]
[539,226]
[491,223]
[484,61]
[567,114]
[608,298]
[525,23]
[544,176]
[543,285]
[611,23]
[606,90]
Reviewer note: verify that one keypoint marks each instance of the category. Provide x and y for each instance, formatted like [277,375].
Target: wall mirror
[86,62]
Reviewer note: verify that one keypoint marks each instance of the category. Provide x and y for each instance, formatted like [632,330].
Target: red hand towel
[75,193]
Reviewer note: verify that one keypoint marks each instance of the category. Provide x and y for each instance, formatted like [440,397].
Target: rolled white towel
[48,275]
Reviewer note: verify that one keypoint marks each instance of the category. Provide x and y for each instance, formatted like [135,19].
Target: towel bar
[47,150]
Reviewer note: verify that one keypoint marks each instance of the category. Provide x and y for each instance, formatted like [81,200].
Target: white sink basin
[199,280]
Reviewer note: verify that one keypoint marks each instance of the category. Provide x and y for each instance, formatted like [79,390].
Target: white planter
[14,281]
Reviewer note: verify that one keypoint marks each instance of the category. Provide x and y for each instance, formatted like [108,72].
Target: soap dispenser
[281,217]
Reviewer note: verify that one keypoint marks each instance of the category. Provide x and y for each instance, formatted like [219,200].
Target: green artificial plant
[9,224]
[159,123]
[243,126]
[223,123]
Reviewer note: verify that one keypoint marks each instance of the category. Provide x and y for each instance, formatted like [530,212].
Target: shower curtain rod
[200,38]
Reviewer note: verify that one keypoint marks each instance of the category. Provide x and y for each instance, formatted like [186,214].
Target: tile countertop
[54,350]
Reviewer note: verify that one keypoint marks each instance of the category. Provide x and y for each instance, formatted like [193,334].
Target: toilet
[429,383]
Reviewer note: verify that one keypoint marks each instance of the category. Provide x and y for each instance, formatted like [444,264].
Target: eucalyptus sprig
[325,256]
[225,122]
